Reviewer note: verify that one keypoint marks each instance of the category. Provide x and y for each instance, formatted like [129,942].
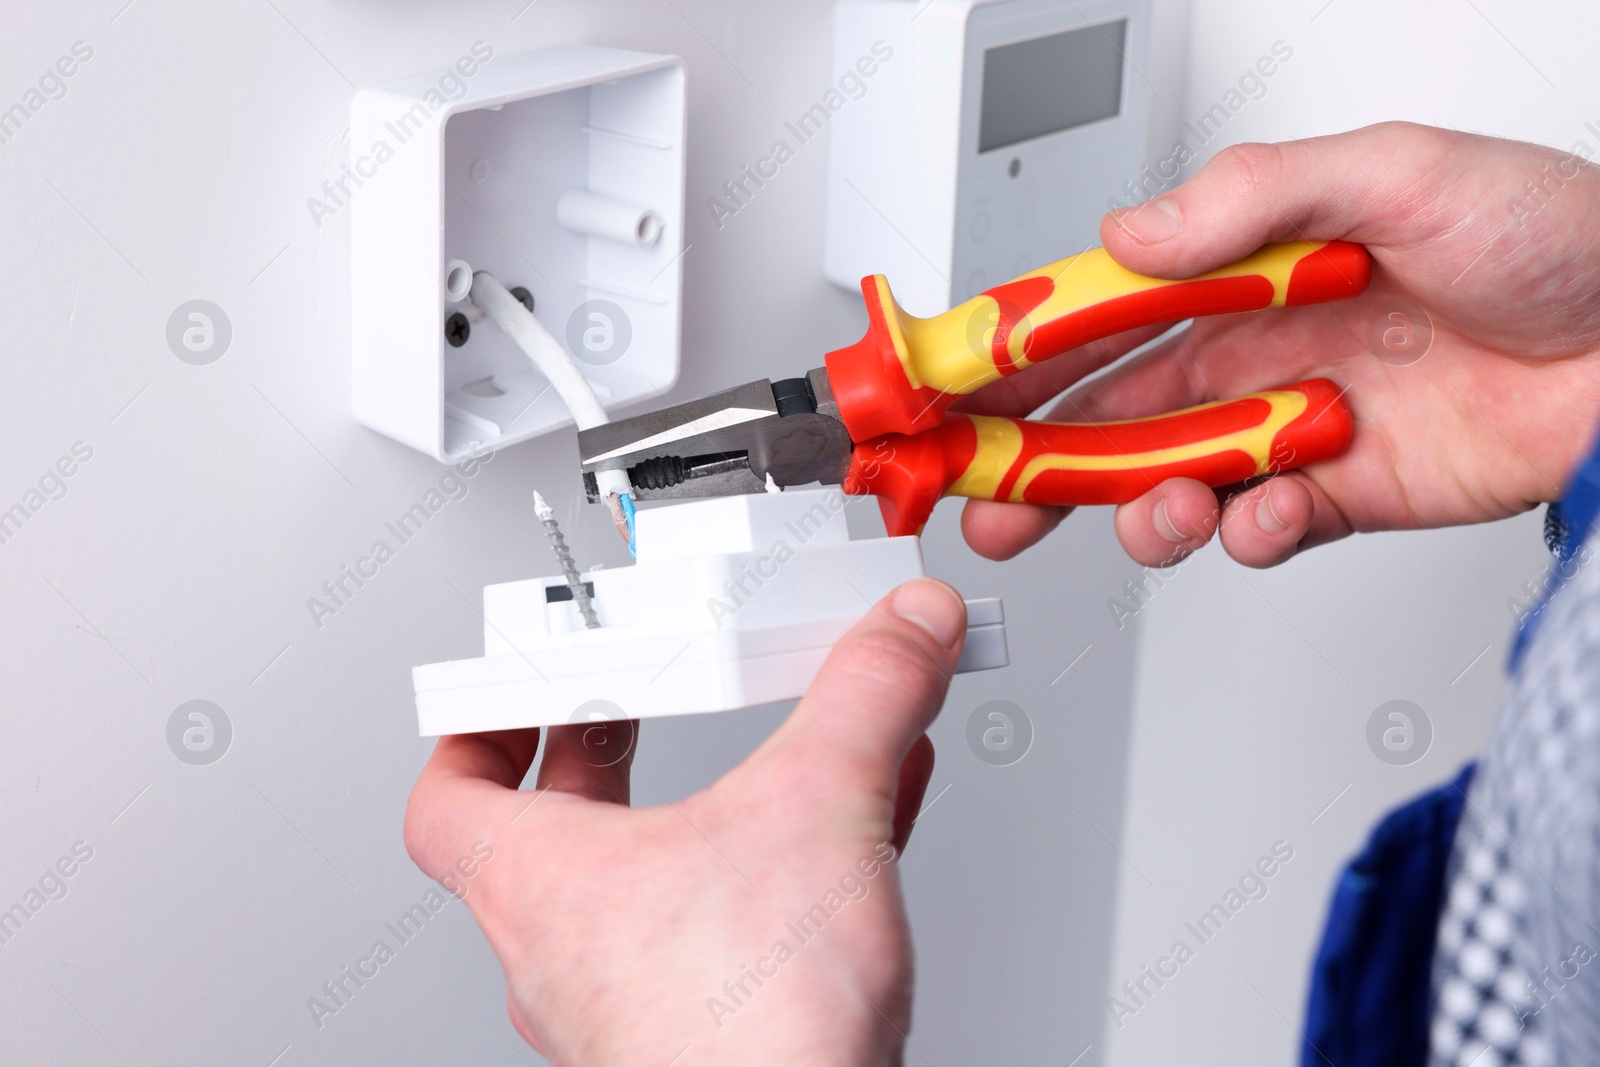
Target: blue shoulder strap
[1567,528]
[1369,1004]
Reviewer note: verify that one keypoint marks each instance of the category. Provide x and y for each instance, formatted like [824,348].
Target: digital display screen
[1050,84]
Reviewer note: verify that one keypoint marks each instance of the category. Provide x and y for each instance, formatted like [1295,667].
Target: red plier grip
[893,387]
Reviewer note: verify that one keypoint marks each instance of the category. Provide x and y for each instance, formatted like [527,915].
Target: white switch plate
[734,602]
[476,179]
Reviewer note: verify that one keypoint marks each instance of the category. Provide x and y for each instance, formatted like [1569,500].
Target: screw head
[457,329]
[524,297]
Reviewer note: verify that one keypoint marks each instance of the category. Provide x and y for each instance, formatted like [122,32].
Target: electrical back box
[989,142]
[520,166]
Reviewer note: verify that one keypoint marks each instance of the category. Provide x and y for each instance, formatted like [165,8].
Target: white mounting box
[734,602]
[465,170]
[986,145]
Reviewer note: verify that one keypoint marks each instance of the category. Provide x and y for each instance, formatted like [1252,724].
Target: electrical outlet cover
[733,602]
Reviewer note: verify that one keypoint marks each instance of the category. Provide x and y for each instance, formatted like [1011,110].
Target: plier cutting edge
[874,419]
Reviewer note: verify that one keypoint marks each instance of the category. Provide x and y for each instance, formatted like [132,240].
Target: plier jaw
[744,440]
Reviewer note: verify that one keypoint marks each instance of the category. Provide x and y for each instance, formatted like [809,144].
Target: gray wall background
[177,564]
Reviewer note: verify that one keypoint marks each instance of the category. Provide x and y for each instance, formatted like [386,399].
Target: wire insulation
[626,500]
[553,361]
[548,355]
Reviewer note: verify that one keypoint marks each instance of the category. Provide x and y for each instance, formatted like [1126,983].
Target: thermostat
[989,139]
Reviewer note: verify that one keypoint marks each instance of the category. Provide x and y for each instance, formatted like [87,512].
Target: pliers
[874,419]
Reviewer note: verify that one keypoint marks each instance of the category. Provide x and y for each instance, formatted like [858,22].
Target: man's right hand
[1493,245]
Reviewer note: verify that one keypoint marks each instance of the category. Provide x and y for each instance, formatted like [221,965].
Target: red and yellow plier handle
[894,386]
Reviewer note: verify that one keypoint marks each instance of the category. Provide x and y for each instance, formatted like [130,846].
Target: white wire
[553,361]
[546,352]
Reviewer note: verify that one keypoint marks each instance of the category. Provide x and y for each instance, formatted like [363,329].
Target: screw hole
[458,280]
[649,228]
[524,297]
[1015,168]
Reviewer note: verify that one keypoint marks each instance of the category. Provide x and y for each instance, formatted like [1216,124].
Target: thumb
[879,689]
[1361,186]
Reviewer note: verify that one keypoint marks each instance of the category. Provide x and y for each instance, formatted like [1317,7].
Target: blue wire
[626,500]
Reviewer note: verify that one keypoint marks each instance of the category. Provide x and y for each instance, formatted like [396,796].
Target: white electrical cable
[552,360]
[546,352]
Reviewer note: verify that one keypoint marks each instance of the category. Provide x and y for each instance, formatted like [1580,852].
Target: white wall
[1254,689]
[219,498]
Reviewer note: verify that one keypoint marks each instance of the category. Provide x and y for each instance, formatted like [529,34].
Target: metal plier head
[744,440]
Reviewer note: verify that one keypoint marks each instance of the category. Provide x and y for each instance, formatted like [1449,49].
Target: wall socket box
[560,172]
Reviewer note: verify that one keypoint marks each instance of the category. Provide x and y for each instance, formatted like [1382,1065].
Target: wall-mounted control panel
[988,143]
[561,173]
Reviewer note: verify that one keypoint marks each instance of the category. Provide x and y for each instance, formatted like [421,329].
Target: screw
[524,297]
[1015,168]
[457,329]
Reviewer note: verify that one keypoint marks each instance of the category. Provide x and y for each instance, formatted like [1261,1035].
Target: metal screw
[457,329]
[524,297]
[1015,168]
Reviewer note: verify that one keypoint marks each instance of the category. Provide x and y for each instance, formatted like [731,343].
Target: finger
[1327,522]
[1026,391]
[1215,359]
[591,759]
[999,531]
[499,756]
[1318,189]
[520,1023]
[1153,383]
[465,774]
[915,770]
[1167,524]
[876,693]
[1262,526]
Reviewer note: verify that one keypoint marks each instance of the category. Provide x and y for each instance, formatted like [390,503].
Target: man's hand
[758,921]
[1496,242]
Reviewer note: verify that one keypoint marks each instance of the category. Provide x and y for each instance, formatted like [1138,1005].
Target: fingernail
[1163,524]
[1267,516]
[935,607]
[1152,221]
